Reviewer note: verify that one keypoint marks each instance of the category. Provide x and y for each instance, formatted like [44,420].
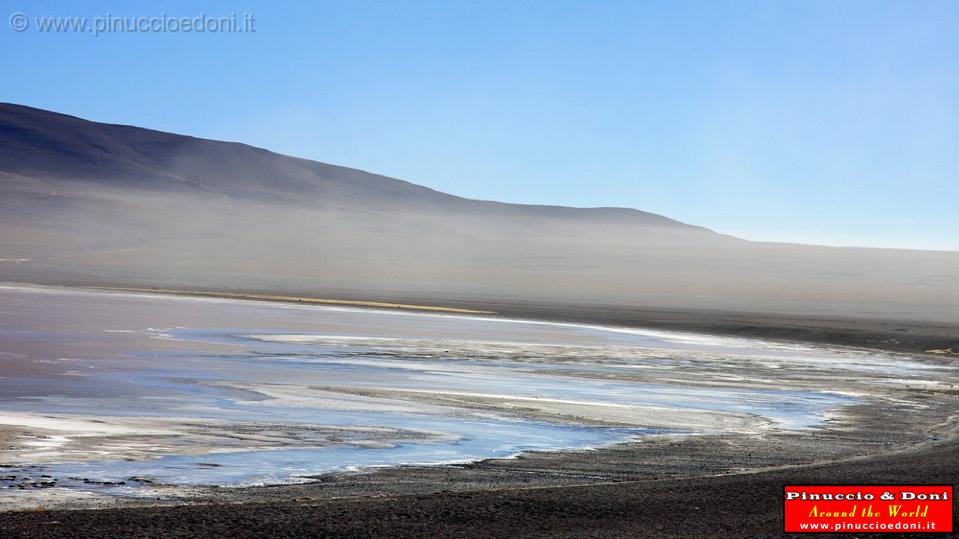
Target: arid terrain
[205,338]
[88,203]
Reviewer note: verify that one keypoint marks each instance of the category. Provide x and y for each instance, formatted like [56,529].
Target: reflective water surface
[101,388]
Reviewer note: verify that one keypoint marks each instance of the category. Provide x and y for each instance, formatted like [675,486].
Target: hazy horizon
[92,203]
[814,123]
[535,203]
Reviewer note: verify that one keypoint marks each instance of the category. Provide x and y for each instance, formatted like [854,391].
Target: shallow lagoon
[203,391]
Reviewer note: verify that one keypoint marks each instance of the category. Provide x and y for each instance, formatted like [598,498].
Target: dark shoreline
[735,506]
[740,505]
[693,487]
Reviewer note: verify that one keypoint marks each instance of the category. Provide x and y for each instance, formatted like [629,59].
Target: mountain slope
[90,203]
[41,144]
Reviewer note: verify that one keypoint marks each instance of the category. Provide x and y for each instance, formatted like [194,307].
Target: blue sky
[819,122]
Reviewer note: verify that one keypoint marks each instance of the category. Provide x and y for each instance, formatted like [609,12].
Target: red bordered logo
[868,509]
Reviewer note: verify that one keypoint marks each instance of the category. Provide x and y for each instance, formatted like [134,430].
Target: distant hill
[92,203]
[36,143]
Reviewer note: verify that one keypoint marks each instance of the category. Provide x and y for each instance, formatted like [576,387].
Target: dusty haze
[100,204]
